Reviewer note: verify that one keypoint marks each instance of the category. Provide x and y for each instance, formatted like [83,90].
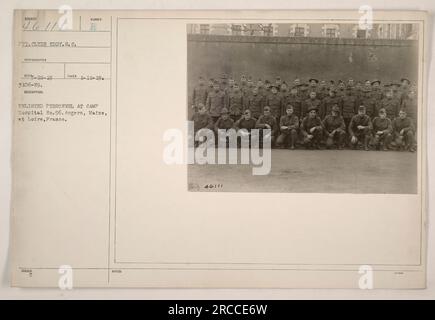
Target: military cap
[361,108]
[335,108]
[266,108]
[382,110]
[376,81]
[273,86]
[224,110]
[312,79]
[312,108]
[405,79]
[223,76]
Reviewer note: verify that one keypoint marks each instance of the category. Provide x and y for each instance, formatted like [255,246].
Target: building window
[236,29]
[299,31]
[204,29]
[362,34]
[330,33]
[267,30]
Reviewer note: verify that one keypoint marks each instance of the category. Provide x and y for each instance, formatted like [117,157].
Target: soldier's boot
[387,142]
[293,138]
[366,143]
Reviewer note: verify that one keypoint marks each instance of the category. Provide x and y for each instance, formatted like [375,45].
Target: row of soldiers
[311,131]
[227,93]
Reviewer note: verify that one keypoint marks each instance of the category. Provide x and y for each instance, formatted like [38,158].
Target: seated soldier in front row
[223,123]
[382,131]
[244,126]
[360,128]
[267,121]
[201,120]
[312,129]
[335,128]
[288,125]
[403,131]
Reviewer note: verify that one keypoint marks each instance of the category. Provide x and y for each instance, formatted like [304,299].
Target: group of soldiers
[350,113]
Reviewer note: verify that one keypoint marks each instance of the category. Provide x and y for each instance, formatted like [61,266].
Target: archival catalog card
[219,149]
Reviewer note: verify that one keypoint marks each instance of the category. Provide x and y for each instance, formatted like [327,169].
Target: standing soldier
[367,99]
[360,128]
[311,103]
[304,93]
[382,130]
[261,89]
[231,83]
[328,102]
[323,90]
[313,85]
[294,100]
[284,95]
[376,91]
[390,104]
[312,129]
[403,131]
[235,103]
[288,125]
[243,83]
[409,104]
[341,90]
[210,85]
[349,103]
[248,89]
[274,102]
[267,121]
[278,82]
[255,103]
[404,88]
[224,83]
[335,129]
[199,93]
[215,102]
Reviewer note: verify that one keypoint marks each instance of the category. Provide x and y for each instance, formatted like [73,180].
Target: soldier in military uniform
[255,103]
[201,120]
[293,99]
[311,103]
[367,99]
[235,103]
[328,102]
[267,121]
[284,95]
[404,88]
[348,105]
[391,104]
[409,103]
[341,89]
[215,102]
[199,93]
[403,131]
[312,129]
[376,91]
[360,128]
[323,90]
[313,85]
[335,129]
[382,131]
[273,100]
[223,123]
[288,125]
[304,93]
[245,124]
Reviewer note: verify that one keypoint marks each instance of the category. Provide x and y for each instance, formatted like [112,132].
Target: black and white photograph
[339,102]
